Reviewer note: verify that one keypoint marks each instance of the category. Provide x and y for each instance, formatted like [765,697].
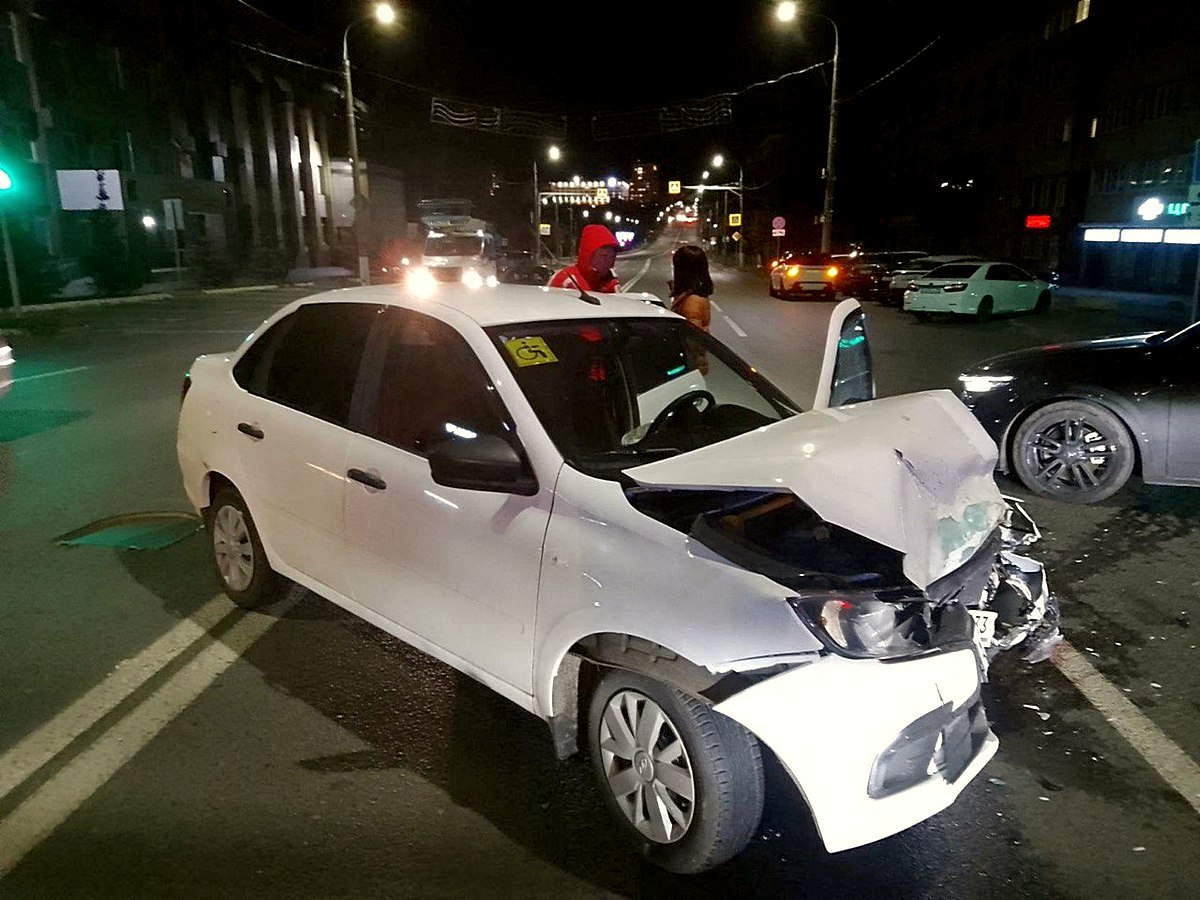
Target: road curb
[98,301]
[243,289]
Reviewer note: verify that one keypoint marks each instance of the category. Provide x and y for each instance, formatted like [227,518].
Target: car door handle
[251,430]
[368,479]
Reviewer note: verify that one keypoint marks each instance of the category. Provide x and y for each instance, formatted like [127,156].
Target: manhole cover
[134,531]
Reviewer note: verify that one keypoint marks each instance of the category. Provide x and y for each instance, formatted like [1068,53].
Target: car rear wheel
[684,782]
[1043,303]
[1073,450]
[984,312]
[246,577]
[922,316]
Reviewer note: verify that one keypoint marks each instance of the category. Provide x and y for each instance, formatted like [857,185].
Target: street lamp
[554,154]
[382,14]
[718,161]
[786,12]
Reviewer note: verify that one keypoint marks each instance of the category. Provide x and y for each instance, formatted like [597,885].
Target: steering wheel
[682,400]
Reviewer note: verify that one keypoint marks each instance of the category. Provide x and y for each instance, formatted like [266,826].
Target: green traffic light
[6,181]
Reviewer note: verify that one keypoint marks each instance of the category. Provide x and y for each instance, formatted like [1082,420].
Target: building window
[1095,125]
[1082,9]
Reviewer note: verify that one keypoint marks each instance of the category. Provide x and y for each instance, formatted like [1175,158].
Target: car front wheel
[241,563]
[683,781]
[1073,450]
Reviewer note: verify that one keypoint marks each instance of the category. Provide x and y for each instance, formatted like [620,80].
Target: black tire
[263,584]
[984,312]
[725,765]
[1043,303]
[922,316]
[1073,450]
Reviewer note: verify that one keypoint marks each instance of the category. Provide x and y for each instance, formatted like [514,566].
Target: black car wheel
[1043,303]
[984,312]
[1073,450]
[684,782]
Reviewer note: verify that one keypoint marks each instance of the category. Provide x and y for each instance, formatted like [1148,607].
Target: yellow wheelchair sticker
[530,351]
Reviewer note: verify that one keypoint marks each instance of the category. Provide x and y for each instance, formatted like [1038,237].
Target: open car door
[846,372]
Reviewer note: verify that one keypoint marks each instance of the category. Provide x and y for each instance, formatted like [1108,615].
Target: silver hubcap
[647,767]
[232,548]
[1072,455]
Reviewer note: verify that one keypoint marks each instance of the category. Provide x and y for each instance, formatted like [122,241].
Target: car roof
[502,304]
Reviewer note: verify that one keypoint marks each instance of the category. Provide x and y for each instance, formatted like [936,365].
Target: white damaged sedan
[607,517]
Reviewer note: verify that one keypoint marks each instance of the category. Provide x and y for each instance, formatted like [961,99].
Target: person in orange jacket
[593,269]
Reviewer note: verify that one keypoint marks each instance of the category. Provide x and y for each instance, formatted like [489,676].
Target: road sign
[674,187]
[601,195]
[778,232]
[778,223]
[544,229]
[735,220]
[737,235]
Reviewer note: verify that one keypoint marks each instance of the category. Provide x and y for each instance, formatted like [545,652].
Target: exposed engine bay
[852,592]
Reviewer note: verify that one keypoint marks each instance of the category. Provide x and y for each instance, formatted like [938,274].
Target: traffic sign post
[735,220]
[544,229]
[674,187]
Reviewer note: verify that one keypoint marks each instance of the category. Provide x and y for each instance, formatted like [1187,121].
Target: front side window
[432,388]
[617,393]
[310,360]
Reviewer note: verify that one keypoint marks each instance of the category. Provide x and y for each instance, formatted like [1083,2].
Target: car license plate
[930,290]
[984,632]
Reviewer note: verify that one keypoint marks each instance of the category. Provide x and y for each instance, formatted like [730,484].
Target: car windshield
[616,393]
[955,270]
[454,245]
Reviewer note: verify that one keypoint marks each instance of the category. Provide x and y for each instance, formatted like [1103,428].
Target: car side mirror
[483,463]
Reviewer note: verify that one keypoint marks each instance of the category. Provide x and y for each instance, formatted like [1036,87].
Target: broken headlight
[879,625]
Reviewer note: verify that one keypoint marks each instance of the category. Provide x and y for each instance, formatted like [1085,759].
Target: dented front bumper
[874,747]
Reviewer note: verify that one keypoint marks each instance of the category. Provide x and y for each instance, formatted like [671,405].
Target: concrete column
[247,183]
[317,251]
[287,152]
[270,168]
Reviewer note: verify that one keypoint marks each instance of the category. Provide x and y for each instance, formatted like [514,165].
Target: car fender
[607,568]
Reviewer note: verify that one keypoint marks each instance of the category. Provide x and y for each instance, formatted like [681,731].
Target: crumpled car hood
[913,473]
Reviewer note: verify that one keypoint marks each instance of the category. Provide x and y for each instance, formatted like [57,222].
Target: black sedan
[1074,421]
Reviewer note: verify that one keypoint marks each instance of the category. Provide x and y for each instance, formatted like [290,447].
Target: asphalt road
[158,742]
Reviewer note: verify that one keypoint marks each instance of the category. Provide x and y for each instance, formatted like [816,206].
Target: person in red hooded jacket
[593,270]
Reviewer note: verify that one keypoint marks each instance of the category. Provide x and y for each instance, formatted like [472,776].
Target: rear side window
[1003,273]
[310,360]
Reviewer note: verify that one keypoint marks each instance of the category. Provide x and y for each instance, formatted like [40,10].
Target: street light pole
[786,12]
[741,214]
[364,264]
[536,217]
[827,210]
[384,14]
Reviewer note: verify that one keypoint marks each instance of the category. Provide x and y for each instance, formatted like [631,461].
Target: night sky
[578,60]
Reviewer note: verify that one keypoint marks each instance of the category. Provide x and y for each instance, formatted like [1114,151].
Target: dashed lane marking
[23,378]
[1165,756]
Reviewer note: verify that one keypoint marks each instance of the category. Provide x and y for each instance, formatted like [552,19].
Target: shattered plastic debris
[1139,849]
[999,782]
[1047,799]
[1043,716]
[1040,648]
[1031,706]
[1156,685]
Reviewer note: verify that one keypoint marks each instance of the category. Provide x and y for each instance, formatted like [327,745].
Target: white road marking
[51,804]
[51,374]
[35,750]
[734,325]
[243,290]
[1163,754]
[638,277]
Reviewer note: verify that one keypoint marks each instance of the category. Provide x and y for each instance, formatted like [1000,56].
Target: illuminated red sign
[1037,221]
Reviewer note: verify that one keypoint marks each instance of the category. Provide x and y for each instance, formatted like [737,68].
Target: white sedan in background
[977,289]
